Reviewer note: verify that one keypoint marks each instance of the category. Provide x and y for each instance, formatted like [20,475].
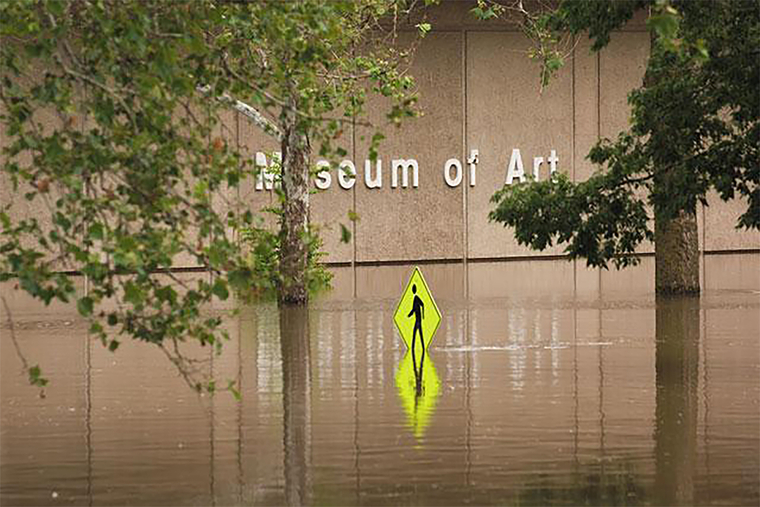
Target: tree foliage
[695,126]
[112,116]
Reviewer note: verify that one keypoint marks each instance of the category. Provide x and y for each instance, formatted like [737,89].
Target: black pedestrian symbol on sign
[418,310]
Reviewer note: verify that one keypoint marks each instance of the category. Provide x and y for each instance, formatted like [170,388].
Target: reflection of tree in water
[296,399]
[616,481]
[675,431]
[618,484]
[677,368]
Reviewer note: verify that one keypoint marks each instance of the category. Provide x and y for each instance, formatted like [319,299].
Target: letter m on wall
[267,170]
[405,166]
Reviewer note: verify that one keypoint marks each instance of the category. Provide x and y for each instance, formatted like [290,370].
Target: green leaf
[132,293]
[232,387]
[220,289]
[345,234]
[35,377]
[240,279]
[85,306]
[95,231]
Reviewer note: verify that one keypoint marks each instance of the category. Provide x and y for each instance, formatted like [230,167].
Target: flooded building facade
[485,123]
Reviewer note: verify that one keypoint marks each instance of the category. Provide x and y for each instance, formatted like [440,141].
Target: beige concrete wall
[39,207]
[425,222]
[506,110]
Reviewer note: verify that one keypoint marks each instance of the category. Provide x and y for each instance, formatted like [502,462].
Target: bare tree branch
[249,112]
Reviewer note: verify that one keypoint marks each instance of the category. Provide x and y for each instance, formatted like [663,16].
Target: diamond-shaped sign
[417,316]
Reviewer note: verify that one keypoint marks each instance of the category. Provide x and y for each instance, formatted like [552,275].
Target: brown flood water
[544,385]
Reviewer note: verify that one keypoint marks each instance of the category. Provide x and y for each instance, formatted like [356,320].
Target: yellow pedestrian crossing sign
[417,316]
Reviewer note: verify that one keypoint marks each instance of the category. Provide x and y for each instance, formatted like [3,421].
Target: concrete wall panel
[225,200]
[635,280]
[195,115]
[585,68]
[252,139]
[622,65]
[732,272]
[445,282]
[506,110]
[329,208]
[425,222]
[43,204]
[520,279]
[720,226]
[587,280]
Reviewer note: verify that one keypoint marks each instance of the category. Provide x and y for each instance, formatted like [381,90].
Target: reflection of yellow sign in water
[417,317]
[418,390]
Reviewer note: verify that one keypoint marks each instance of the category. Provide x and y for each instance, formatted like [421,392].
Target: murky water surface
[528,395]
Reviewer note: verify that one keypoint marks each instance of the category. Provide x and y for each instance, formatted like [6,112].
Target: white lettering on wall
[265,177]
[515,169]
[347,174]
[553,162]
[377,180]
[457,179]
[453,163]
[324,179]
[405,172]
[405,165]
[537,161]
[472,162]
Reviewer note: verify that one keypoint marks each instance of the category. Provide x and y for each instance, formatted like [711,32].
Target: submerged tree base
[677,255]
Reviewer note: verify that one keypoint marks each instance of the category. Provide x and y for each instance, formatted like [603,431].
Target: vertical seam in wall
[704,247]
[572,153]
[209,136]
[83,129]
[238,200]
[599,127]
[353,206]
[465,179]
[466,339]
[575,262]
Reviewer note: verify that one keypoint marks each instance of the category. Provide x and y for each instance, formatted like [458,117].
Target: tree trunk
[295,210]
[676,240]
[676,253]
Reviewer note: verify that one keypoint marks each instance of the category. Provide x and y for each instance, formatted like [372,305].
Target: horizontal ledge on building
[440,261]
[454,28]
[178,269]
[512,258]
[732,251]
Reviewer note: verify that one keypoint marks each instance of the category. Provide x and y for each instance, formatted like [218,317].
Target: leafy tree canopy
[694,127]
[111,113]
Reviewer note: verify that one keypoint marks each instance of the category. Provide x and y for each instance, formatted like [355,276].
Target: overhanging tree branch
[248,111]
